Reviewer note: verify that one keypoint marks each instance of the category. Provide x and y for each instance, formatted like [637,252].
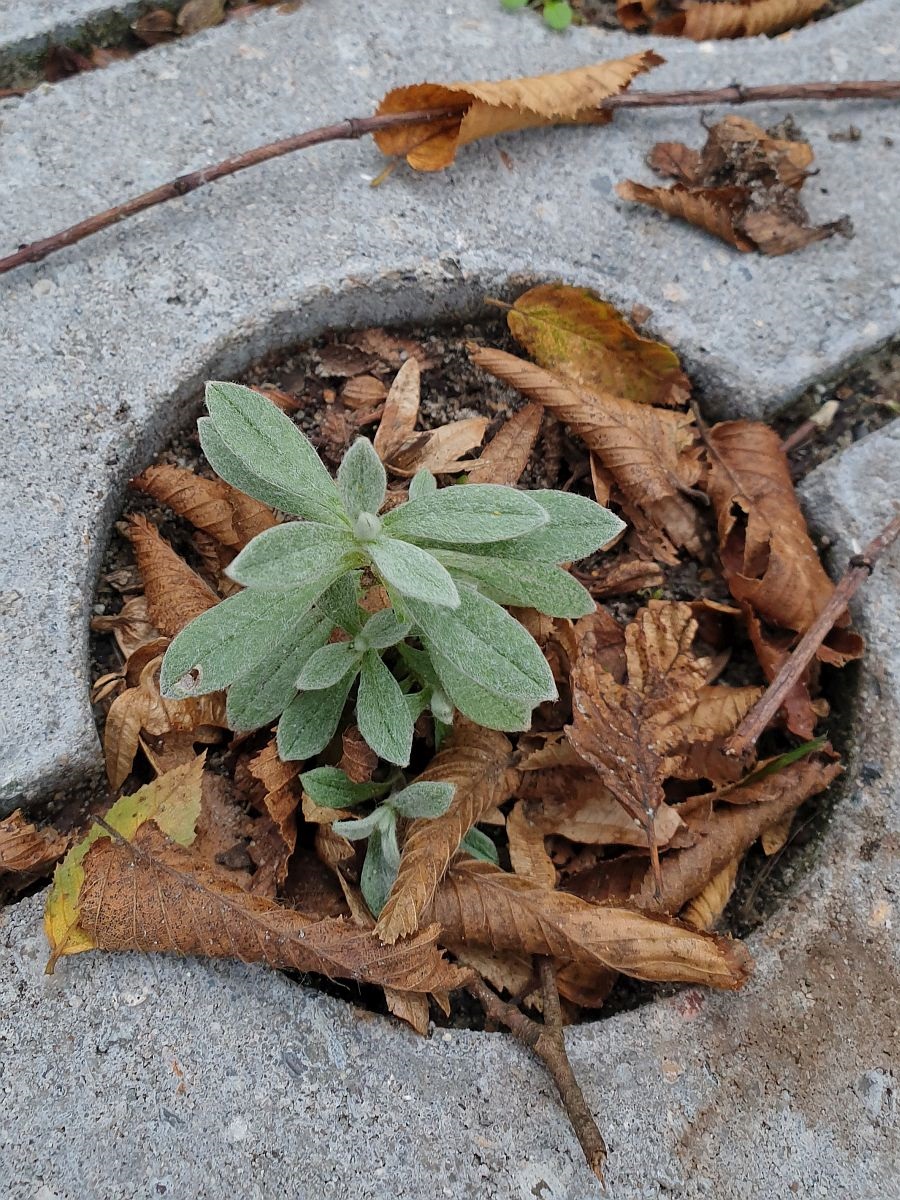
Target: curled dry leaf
[477,762]
[26,852]
[509,451]
[212,505]
[743,187]
[358,760]
[155,26]
[707,906]
[141,709]
[622,577]
[364,391]
[574,804]
[728,833]
[130,626]
[439,450]
[480,905]
[652,453]
[489,108]
[572,332]
[280,797]
[636,14]
[704,21]
[175,594]
[527,852]
[401,411]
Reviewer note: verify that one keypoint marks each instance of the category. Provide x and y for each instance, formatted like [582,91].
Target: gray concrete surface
[105,343]
[127,1076]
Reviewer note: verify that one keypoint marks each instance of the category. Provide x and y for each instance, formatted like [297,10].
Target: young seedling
[292,644]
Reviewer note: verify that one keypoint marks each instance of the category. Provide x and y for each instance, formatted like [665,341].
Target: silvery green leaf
[297,554]
[363,827]
[477,702]
[340,603]
[361,479]
[309,722]
[487,645]
[470,513]
[577,527]
[228,641]
[327,666]
[418,664]
[425,799]
[441,706]
[233,471]
[330,787]
[265,692]
[383,630]
[413,572]
[382,714]
[479,845]
[380,867]
[539,585]
[258,433]
[423,483]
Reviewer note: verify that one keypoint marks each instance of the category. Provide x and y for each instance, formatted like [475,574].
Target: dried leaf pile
[618,823]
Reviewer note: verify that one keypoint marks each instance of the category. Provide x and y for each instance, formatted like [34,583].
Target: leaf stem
[548,1043]
[356,127]
[858,571]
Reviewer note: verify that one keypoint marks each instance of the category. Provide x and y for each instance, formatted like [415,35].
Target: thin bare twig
[357,127]
[547,1042]
[858,571]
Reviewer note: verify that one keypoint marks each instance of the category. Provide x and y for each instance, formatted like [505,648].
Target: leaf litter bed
[583,837]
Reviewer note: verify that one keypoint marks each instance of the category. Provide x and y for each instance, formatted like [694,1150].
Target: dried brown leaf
[212,505]
[705,21]
[717,210]
[358,759]
[175,593]
[155,26]
[280,785]
[401,411]
[477,762]
[364,391]
[635,14]
[27,852]
[527,852]
[481,905]
[197,15]
[486,109]
[652,453]
[574,804]
[509,451]
[153,895]
[707,906]
[439,450]
[130,626]
[675,160]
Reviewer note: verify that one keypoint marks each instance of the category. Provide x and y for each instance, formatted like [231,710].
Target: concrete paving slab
[106,343]
[129,1076]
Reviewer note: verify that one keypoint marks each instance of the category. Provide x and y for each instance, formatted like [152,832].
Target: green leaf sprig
[293,643]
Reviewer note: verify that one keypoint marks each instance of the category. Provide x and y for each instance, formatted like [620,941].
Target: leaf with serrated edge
[478,512]
[172,801]
[477,762]
[382,715]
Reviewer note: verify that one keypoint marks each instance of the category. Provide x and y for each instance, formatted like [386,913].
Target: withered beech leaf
[704,21]
[141,709]
[401,410]
[636,14]
[175,593]
[675,160]
[707,906]
[508,452]
[487,108]
[767,555]
[439,450]
[130,626]
[358,759]
[713,209]
[200,14]
[572,332]
[728,833]
[149,894]
[477,762]
[652,453]
[212,505]
[574,804]
[527,852]
[480,905]
[280,797]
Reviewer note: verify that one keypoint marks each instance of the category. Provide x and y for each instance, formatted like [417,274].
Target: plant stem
[547,1042]
[858,571]
[357,127]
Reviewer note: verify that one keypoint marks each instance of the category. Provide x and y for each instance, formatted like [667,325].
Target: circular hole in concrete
[318,371]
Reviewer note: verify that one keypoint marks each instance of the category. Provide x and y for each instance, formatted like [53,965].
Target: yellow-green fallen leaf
[571,331]
[172,801]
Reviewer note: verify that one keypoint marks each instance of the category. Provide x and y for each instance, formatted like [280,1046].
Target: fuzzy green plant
[294,642]
[558,14]
[331,788]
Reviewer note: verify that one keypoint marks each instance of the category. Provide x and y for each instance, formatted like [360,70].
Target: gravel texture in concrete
[125,1076]
[105,343]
